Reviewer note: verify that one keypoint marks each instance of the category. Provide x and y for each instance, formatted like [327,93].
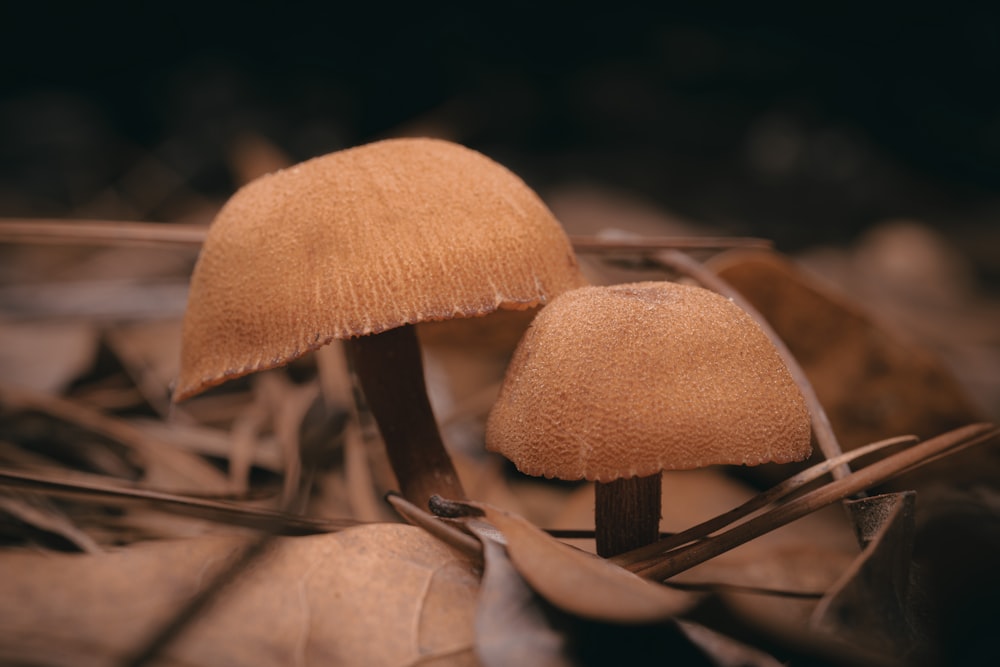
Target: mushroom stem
[391,374]
[626,514]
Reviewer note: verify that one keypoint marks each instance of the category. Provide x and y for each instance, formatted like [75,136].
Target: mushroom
[360,245]
[615,384]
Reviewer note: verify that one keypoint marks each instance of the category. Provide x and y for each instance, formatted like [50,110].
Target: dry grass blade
[202,508]
[288,404]
[39,513]
[100,232]
[684,558]
[759,501]
[598,244]
[194,470]
[133,233]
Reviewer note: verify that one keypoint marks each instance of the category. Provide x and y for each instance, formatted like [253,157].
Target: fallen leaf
[382,594]
[581,583]
[871,605]
[874,382]
[514,625]
[517,627]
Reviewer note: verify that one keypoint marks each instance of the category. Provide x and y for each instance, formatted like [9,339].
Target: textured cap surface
[629,380]
[361,241]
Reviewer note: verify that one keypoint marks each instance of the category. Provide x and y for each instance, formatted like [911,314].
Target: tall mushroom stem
[626,514]
[391,373]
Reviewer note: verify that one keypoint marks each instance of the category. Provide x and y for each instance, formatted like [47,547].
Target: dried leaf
[383,594]
[581,583]
[514,626]
[874,382]
[870,606]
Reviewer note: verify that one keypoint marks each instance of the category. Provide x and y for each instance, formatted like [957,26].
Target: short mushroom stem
[391,373]
[627,514]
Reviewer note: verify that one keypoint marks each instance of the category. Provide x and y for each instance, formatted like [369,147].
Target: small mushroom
[359,245]
[616,384]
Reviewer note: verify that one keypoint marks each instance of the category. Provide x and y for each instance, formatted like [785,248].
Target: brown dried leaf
[383,594]
[514,626]
[870,606]
[874,382]
[581,583]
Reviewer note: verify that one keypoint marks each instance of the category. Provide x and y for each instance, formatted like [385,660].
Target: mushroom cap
[360,241]
[628,380]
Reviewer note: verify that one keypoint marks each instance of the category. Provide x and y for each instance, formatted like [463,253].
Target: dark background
[805,127]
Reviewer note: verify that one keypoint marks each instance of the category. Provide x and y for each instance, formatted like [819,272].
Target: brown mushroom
[359,245]
[615,384]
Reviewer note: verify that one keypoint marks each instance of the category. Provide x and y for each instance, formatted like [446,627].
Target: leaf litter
[382,594]
[84,609]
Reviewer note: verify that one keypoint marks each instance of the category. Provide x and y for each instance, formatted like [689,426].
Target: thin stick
[82,489]
[825,437]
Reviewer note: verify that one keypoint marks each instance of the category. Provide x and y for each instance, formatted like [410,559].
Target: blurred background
[863,141]
[795,125]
